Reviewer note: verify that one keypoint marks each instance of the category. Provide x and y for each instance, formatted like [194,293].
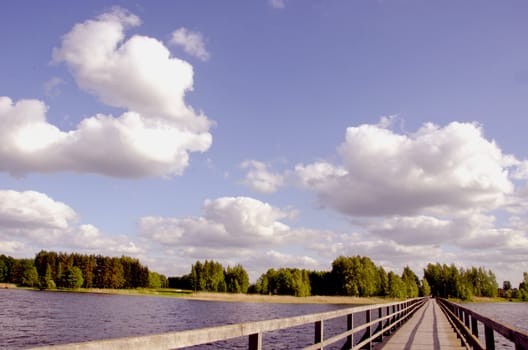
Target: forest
[50,270]
[352,276]
[349,276]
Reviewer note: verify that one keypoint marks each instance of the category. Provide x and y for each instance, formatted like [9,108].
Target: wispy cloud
[277,4]
[191,42]
[52,87]
[260,179]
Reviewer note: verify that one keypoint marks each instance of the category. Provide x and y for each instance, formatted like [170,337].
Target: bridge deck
[427,329]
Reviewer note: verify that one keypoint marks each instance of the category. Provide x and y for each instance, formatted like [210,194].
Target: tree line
[350,276]
[49,270]
[211,276]
[452,282]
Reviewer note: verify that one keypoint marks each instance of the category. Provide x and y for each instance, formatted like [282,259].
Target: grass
[230,297]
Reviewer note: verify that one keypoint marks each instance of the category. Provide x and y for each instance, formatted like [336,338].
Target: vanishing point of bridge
[421,323]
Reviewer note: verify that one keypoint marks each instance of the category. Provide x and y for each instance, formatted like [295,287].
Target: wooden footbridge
[420,323]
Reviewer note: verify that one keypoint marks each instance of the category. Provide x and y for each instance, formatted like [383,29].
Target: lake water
[33,318]
[513,314]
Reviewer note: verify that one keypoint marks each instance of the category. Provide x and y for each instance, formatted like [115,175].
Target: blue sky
[267,133]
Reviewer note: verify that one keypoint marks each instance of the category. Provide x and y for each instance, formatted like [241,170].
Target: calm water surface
[513,314]
[33,318]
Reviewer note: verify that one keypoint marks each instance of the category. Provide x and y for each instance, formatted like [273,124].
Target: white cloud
[191,42]
[128,146]
[521,172]
[31,221]
[277,4]
[155,136]
[260,179]
[436,169]
[138,74]
[414,230]
[15,249]
[228,222]
[29,211]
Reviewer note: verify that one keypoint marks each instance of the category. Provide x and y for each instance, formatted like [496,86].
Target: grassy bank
[228,297]
[284,299]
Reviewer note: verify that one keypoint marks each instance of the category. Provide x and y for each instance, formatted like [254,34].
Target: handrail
[383,324]
[462,317]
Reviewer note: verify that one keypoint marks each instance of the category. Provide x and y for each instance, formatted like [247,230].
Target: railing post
[474,326]
[388,323]
[490,338]
[466,319]
[350,326]
[380,316]
[255,341]
[318,333]
[368,331]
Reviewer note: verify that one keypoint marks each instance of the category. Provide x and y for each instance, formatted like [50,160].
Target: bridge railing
[380,320]
[467,322]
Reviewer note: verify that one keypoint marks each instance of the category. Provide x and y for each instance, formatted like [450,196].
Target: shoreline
[244,298]
[285,299]
[236,298]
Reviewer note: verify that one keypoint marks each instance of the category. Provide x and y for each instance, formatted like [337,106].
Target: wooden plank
[428,328]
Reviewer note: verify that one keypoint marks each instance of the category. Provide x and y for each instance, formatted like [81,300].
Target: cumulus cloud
[414,229]
[228,222]
[439,169]
[30,221]
[236,230]
[34,216]
[128,146]
[191,42]
[153,138]
[260,179]
[136,73]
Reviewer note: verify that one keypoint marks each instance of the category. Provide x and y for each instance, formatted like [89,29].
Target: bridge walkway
[427,329]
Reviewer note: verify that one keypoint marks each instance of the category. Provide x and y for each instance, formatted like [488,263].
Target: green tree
[30,277]
[198,276]
[425,289]
[6,268]
[506,285]
[344,274]
[321,283]
[301,283]
[46,281]
[383,289]
[214,276]
[397,288]
[523,286]
[25,273]
[73,278]
[262,286]
[411,282]
[237,279]
[154,280]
